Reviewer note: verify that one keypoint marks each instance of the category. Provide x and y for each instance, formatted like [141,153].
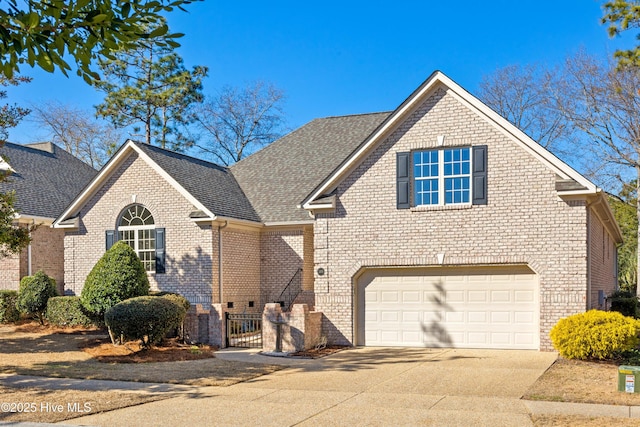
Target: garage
[462,307]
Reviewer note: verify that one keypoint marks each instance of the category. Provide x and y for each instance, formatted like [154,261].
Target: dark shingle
[212,185]
[46,178]
[277,178]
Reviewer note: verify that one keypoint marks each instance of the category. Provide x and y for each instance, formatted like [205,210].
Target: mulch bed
[169,350]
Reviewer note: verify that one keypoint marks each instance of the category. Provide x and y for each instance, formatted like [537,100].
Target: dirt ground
[33,350]
[580,381]
[52,406]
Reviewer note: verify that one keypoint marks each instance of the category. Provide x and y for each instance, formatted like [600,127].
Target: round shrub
[33,294]
[67,311]
[9,313]
[117,276]
[177,298]
[595,335]
[146,318]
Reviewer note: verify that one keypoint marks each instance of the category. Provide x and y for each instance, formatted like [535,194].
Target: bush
[184,303]
[177,298]
[117,276]
[595,335]
[67,311]
[9,313]
[624,302]
[145,318]
[34,293]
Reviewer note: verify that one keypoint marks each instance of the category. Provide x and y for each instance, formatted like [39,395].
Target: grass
[49,353]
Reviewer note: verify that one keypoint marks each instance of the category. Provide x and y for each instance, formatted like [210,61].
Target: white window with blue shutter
[136,227]
[439,177]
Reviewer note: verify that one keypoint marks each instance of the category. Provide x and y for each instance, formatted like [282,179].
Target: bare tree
[237,122]
[78,132]
[602,101]
[521,95]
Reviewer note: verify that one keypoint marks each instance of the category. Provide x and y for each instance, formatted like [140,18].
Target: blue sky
[349,57]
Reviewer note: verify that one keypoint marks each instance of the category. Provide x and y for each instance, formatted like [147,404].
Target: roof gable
[45,178]
[400,114]
[210,188]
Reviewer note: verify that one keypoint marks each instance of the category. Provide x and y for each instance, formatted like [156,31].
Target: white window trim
[441,178]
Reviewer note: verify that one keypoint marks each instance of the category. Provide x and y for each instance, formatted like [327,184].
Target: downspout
[29,264]
[220,228]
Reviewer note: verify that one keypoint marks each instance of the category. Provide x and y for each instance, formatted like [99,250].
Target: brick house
[45,179]
[436,224]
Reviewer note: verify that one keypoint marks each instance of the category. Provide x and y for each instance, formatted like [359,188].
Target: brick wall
[282,253]
[241,270]
[524,222]
[189,246]
[10,272]
[602,262]
[47,254]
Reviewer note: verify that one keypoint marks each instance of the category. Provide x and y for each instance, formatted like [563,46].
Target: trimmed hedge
[177,298]
[34,293]
[595,335]
[146,318]
[117,276]
[67,311]
[9,313]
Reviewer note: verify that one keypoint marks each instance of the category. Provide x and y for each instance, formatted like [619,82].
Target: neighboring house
[45,179]
[437,224]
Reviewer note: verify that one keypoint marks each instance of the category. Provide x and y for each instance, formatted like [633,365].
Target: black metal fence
[244,330]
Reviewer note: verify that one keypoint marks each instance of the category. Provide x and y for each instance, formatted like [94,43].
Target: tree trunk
[638,230]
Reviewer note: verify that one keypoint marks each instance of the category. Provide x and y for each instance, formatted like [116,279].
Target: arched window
[137,228]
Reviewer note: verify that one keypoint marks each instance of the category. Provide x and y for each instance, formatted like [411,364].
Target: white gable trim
[414,100]
[106,172]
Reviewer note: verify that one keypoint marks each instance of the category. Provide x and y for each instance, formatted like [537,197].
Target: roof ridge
[355,115]
[203,162]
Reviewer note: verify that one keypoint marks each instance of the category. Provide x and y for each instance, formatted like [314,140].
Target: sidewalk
[352,387]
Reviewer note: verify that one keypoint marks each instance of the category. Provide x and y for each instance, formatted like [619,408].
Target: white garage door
[464,308]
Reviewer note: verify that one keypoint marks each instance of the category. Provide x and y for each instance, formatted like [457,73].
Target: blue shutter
[160,266]
[479,175]
[403,180]
[110,238]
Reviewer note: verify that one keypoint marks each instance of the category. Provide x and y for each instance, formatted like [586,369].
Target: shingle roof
[214,186]
[277,178]
[46,178]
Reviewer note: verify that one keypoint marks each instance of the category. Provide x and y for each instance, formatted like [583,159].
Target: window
[136,227]
[439,177]
[442,177]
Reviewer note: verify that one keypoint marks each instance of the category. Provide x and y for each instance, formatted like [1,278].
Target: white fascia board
[43,220]
[106,171]
[238,222]
[521,138]
[468,99]
[578,192]
[316,207]
[288,223]
[94,185]
[172,181]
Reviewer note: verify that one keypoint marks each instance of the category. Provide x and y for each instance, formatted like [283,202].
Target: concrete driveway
[365,386]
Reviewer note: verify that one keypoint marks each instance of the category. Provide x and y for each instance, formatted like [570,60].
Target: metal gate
[244,330]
